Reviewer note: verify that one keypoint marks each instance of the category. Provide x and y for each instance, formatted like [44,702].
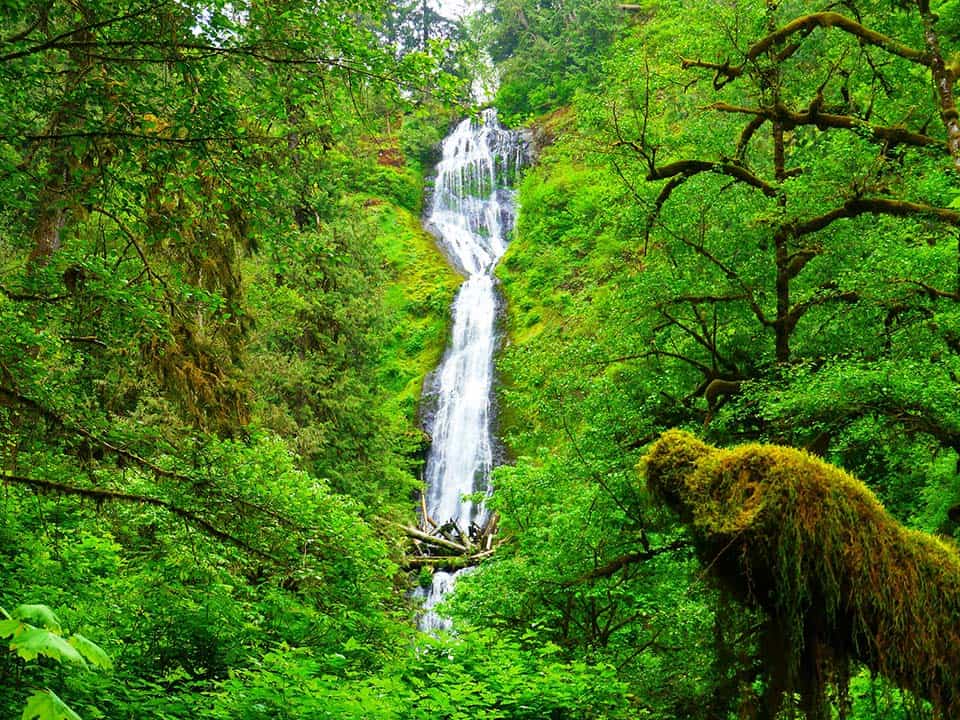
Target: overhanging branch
[614,566]
[890,134]
[99,495]
[875,206]
[690,168]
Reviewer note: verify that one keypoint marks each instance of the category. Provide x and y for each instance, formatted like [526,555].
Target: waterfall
[471,213]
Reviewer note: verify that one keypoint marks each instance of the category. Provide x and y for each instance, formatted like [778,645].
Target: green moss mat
[840,579]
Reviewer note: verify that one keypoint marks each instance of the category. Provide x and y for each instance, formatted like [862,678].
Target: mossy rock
[839,579]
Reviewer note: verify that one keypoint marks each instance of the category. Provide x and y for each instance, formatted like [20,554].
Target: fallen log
[445,562]
[418,534]
[425,514]
[839,579]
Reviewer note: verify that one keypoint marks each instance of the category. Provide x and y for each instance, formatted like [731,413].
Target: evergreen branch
[83,432]
[98,495]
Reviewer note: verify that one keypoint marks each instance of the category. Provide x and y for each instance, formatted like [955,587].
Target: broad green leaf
[45,705]
[37,641]
[92,652]
[9,627]
[38,615]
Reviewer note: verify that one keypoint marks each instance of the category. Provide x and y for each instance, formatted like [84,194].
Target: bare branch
[614,566]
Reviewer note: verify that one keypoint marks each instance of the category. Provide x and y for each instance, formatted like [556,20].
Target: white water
[471,213]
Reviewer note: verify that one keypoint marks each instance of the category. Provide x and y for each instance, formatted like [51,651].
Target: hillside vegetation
[218,306]
[741,223]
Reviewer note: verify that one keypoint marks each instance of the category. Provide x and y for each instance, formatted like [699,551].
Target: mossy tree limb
[840,580]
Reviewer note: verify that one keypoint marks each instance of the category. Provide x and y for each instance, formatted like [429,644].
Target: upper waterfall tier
[472,208]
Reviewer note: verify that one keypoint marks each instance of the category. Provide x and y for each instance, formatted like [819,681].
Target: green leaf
[37,641]
[45,705]
[38,615]
[92,652]
[9,627]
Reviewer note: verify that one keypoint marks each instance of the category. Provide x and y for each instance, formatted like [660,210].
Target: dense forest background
[217,308]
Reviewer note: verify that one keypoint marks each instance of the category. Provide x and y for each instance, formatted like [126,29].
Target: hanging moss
[839,578]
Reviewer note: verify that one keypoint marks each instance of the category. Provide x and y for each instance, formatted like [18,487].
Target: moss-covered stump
[838,577]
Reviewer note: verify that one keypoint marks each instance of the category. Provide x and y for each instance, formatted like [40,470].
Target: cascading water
[471,213]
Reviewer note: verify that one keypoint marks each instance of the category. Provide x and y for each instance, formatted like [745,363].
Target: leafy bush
[35,632]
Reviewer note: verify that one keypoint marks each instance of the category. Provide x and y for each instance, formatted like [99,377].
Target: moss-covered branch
[874,206]
[807,23]
[838,577]
[944,78]
[814,115]
[803,26]
[689,168]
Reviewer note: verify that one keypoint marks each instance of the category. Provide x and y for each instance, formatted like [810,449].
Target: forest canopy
[218,307]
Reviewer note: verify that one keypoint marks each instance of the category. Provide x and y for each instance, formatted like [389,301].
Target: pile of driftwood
[448,545]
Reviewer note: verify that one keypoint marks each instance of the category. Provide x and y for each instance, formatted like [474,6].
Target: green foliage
[207,377]
[548,51]
[217,308]
[420,137]
[474,675]
[635,281]
[34,631]
[45,705]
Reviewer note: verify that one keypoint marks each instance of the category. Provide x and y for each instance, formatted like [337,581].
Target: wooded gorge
[219,308]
